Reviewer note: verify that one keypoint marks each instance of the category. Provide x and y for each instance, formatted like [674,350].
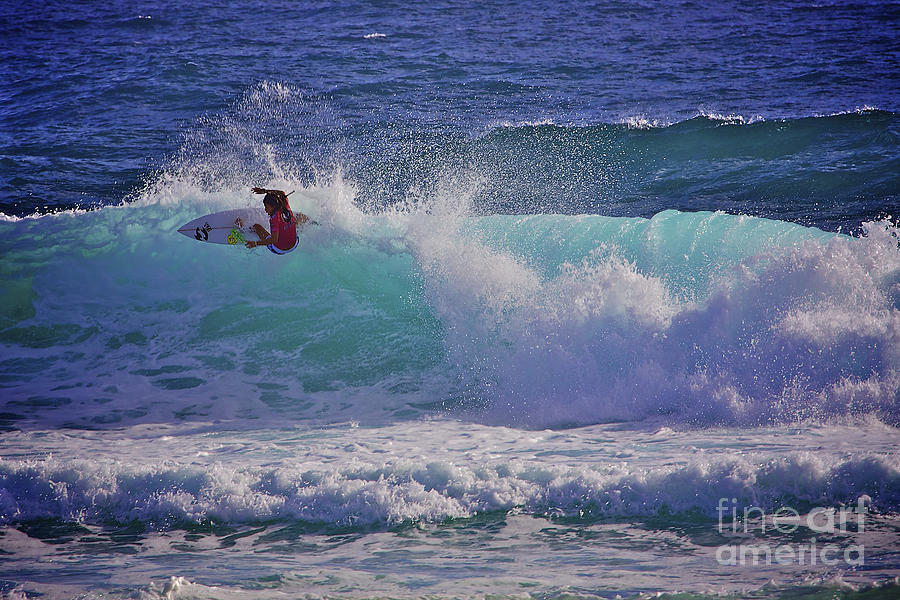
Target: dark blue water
[786,110]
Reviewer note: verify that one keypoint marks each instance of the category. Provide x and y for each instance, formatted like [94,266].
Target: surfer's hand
[259,190]
[251,244]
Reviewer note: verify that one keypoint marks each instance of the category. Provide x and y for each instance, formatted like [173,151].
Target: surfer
[282,222]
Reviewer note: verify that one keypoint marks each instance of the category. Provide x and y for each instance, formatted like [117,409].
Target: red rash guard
[282,221]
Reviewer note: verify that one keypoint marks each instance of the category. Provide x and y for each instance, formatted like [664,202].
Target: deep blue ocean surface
[587,279]
[785,109]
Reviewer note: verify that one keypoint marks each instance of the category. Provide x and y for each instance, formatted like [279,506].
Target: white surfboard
[232,227]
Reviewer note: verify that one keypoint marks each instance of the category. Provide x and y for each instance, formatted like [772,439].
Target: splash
[702,317]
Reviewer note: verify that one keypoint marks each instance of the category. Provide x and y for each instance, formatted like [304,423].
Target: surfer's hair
[274,199]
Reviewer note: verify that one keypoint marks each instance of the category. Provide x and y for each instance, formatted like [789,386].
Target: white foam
[728,118]
[783,334]
[436,471]
[643,122]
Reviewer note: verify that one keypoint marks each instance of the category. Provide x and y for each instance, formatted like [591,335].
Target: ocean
[603,300]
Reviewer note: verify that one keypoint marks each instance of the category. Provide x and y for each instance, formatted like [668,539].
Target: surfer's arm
[259,190]
[265,238]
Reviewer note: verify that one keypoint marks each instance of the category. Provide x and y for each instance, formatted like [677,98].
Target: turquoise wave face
[111,316]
